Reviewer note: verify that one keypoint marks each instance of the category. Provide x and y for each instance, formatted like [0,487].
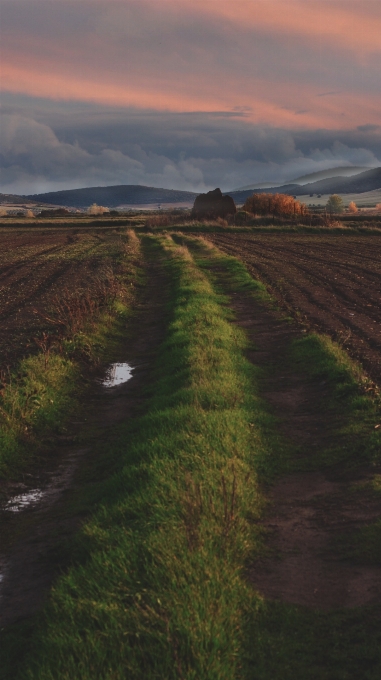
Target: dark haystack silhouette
[213,204]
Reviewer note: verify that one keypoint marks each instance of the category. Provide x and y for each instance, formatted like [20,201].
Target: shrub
[335,204]
[280,205]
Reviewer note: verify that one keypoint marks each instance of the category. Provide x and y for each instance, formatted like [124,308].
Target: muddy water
[117,374]
[30,530]
[39,515]
[33,519]
[24,500]
[34,498]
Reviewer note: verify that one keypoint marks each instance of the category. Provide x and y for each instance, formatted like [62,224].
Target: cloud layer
[48,147]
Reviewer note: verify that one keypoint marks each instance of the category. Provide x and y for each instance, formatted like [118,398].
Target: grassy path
[157,589]
[177,572]
[320,575]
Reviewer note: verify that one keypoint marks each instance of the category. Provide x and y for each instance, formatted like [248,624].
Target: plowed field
[35,267]
[332,282]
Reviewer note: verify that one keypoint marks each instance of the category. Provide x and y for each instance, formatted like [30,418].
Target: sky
[186,94]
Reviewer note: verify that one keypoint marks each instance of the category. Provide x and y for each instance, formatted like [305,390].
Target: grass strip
[294,642]
[158,588]
[39,394]
[353,404]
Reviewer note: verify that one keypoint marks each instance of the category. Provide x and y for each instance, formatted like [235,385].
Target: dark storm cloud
[48,145]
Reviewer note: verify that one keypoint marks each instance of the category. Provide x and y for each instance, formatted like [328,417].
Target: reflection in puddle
[117,374]
[24,500]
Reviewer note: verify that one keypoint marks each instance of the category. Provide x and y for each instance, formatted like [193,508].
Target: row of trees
[282,205]
[278,205]
[335,204]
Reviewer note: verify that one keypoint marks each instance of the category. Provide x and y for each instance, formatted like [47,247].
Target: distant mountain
[254,187]
[12,198]
[132,194]
[114,196]
[357,184]
[311,177]
[326,174]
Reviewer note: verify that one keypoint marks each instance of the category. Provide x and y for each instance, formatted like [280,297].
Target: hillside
[132,195]
[12,198]
[364,181]
[312,177]
[328,174]
[357,184]
[114,196]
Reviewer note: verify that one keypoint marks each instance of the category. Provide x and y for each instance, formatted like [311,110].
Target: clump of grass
[159,590]
[33,400]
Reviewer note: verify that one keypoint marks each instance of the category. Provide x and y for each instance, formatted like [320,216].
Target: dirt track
[309,511]
[332,282]
[34,541]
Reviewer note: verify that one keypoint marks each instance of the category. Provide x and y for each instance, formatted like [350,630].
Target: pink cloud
[351,24]
[203,56]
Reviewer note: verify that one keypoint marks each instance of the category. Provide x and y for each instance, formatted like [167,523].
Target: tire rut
[34,541]
[308,511]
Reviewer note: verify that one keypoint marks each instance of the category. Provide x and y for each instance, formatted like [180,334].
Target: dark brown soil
[32,547]
[34,269]
[332,283]
[308,511]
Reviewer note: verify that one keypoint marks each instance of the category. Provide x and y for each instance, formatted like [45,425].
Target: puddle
[24,500]
[117,374]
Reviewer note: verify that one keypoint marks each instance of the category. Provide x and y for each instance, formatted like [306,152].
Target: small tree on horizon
[335,204]
[353,207]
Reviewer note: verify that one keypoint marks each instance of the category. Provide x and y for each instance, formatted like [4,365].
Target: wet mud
[36,515]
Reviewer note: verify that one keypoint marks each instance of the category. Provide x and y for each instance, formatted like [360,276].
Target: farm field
[367,199]
[217,514]
[37,268]
[332,283]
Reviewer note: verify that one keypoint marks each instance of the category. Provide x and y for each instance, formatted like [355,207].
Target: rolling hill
[357,184]
[114,196]
[135,195]
[311,177]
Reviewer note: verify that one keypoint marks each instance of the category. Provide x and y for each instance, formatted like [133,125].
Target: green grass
[34,400]
[351,412]
[290,642]
[352,407]
[295,642]
[230,268]
[158,588]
